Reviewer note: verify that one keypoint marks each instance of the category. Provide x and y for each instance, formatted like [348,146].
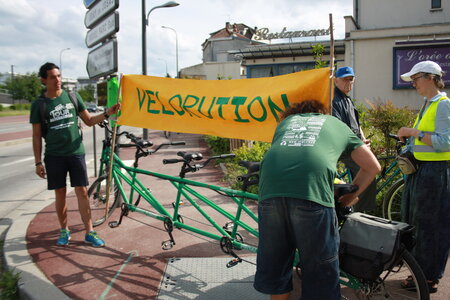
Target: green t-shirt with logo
[301,162]
[63,137]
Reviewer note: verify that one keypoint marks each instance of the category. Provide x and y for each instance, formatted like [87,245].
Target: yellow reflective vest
[421,150]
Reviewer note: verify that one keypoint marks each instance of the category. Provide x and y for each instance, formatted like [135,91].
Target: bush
[20,106]
[218,145]
[383,119]
[254,153]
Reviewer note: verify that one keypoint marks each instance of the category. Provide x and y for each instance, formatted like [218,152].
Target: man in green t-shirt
[64,150]
[296,207]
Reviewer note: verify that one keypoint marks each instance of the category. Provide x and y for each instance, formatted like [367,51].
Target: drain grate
[208,278]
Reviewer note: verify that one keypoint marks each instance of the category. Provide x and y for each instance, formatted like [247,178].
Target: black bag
[369,245]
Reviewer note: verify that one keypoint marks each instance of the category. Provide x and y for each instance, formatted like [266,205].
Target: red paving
[132,263]
[15,135]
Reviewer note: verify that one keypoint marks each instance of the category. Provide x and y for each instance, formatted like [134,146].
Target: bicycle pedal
[113,224]
[167,245]
[233,262]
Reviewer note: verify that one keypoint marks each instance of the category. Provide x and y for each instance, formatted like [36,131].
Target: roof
[287,49]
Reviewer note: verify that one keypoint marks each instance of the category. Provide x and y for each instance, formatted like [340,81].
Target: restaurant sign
[406,57]
[263,34]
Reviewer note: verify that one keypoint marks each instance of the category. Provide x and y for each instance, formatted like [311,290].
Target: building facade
[383,39]
[383,45]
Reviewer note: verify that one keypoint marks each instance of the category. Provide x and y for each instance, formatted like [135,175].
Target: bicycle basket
[369,245]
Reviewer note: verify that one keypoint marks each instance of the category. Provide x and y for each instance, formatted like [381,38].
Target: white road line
[17,161]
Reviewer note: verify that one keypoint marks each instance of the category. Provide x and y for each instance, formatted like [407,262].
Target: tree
[26,87]
[87,93]
[318,51]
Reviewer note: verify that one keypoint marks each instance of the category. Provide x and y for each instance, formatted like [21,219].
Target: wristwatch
[105,114]
[421,135]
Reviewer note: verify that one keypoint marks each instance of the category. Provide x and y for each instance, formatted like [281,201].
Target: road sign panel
[89,3]
[99,10]
[102,61]
[103,30]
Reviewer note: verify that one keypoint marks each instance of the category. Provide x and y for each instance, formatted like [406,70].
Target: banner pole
[111,157]
[331,63]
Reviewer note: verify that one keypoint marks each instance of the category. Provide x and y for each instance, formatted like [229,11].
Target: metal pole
[176,46]
[144,55]
[60,61]
[144,43]
[331,63]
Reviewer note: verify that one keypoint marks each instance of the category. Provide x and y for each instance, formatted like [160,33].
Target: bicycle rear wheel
[393,200]
[390,287]
[97,199]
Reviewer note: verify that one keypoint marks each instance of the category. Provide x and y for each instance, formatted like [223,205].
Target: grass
[8,280]
[6,112]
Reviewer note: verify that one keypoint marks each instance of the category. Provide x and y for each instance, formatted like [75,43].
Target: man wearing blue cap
[344,109]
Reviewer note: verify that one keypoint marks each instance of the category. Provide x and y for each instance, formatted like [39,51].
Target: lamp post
[144,41]
[60,61]
[167,71]
[176,46]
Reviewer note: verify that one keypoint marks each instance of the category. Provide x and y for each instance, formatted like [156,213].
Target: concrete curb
[33,284]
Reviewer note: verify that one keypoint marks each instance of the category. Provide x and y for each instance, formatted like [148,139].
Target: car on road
[92,107]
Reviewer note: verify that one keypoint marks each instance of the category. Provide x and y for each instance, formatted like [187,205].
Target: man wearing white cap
[426,196]
[344,109]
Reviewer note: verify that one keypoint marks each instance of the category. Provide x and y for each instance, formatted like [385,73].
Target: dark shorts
[58,166]
[290,224]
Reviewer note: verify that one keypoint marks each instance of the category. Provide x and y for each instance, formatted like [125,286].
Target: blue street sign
[88,3]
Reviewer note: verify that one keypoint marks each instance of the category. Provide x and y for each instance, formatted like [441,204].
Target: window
[435,4]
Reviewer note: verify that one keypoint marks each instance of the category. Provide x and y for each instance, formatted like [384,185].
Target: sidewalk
[132,264]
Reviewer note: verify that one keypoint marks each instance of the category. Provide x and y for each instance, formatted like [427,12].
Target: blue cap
[344,72]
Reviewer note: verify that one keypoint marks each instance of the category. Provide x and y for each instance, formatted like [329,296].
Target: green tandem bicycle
[128,193]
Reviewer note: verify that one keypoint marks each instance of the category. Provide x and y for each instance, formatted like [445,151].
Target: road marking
[17,161]
[111,283]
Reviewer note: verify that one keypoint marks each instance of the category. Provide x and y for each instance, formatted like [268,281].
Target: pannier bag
[369,245]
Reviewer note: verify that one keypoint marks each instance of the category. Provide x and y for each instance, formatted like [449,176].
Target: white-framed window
[436,4]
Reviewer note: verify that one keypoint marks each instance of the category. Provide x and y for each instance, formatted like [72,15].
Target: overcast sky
[33,32]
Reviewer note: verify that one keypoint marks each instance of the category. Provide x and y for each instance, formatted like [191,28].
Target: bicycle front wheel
[97,200]
[393,200]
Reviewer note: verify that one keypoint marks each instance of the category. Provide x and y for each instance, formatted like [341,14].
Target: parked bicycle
[391,179]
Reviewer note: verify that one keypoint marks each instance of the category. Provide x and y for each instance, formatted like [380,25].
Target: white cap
[427,66]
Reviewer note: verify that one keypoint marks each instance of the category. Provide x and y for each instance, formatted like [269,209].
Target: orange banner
[243,108]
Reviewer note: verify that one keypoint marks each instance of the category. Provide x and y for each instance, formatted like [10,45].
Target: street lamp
[60,61]
[176,46]
[144,41]
[165,61]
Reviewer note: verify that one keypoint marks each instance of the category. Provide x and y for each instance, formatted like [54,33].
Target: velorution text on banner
[242,108]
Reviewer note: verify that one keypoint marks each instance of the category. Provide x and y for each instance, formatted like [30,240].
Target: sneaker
[93,239]
[64,237]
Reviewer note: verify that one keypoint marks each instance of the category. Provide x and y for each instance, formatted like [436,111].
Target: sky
[33,32]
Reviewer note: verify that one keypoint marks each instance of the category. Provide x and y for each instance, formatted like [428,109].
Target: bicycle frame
[184,188]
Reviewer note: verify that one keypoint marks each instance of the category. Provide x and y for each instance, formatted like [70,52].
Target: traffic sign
[89,3]
[103,30]
[99,10]
[102,61]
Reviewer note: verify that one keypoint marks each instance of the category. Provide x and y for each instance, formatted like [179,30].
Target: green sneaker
[64,237]
[93,239]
